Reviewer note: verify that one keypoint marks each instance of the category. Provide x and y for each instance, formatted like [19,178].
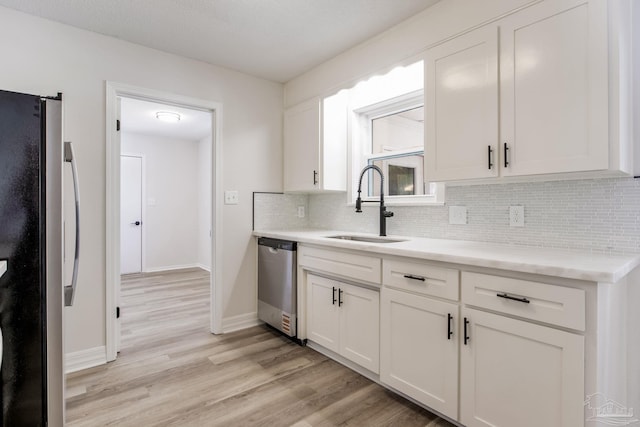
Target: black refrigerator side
[33,277]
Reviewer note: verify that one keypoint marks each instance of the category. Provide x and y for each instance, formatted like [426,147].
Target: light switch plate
[457,214]
[516,216]
[231,197]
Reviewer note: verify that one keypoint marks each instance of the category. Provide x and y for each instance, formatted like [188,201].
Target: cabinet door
[323,318]
[461,100]
[302,146]
[360,326]
[515,373]
[554,93]
[417,355]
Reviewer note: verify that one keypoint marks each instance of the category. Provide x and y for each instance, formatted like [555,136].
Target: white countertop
[3,267]
[550,262]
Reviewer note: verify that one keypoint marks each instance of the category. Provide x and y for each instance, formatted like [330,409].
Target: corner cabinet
[345,319]
[546,89]
[315,146]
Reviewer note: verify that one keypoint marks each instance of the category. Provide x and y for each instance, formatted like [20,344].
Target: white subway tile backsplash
[275,211]
[597,215]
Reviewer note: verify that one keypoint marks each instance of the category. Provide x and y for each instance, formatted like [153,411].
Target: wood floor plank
[172,372]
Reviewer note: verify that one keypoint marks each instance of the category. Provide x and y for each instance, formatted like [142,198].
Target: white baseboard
[242,321]
[85,359]
[204,267]
[170,267]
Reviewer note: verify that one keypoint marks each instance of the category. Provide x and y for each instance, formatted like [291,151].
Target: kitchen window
[387,130]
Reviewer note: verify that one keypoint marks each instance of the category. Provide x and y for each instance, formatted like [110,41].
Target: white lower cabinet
[482,349]
[345,319]
[516,373]
[419,349]
[323,318]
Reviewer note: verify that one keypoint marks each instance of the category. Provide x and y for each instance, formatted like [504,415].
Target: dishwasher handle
[276,244]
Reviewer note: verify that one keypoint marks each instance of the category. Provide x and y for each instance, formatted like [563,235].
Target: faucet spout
[384,214]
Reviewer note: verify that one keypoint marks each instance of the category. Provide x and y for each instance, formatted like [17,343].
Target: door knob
[135,223]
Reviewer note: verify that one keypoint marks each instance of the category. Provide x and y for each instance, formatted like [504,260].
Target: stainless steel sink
[366,239]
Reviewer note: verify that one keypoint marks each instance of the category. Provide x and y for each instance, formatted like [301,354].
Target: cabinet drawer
[542,302]
[421,278]
[345,264]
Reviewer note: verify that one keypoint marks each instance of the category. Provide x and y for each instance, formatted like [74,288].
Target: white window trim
[360,130]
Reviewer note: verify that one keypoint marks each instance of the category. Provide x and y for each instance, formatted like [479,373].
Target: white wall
[407,39]
[44,57]
[204,203]
[171,205]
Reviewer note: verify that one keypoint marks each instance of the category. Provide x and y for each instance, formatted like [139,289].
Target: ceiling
[140,117]
[273,39]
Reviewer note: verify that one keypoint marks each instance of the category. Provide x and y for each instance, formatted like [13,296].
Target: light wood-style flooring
[172,372]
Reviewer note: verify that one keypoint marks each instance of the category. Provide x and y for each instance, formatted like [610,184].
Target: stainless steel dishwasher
[277,290]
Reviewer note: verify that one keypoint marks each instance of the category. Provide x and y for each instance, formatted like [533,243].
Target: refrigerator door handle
[70,290]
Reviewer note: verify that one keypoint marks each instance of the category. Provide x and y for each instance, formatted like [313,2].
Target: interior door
[130,214]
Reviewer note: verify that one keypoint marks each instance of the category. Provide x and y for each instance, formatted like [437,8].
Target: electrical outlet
[231,197]
[516,216]
[457,214]
[300,211]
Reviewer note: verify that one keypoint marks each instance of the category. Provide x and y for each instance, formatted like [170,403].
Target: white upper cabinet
[315,145]
[461,107]
[556,93]
[554,96]
[302,146]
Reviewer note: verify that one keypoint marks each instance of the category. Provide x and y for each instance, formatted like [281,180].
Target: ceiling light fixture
[167,116]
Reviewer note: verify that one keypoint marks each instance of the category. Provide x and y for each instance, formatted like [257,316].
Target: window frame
[360,143]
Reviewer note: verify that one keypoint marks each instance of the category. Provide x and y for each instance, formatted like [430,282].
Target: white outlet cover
[300,211]
[231,197]
[516,216]
[457,215]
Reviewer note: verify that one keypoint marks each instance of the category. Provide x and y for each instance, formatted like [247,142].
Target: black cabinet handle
[506,156]
[466,336]
[412,277]
[506,296]
[340,302]
[334,295]
[315,177]
[449,331]
[489,152]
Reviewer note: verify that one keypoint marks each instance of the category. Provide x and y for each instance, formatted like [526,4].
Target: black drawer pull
[524,300]
[489,152]
[466,336]
[412,277]
[334,295]
[340,302]
[449,331]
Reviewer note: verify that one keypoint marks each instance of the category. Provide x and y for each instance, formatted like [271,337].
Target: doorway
[115,172]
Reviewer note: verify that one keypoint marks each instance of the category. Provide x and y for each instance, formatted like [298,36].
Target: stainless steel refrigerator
[32,290]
